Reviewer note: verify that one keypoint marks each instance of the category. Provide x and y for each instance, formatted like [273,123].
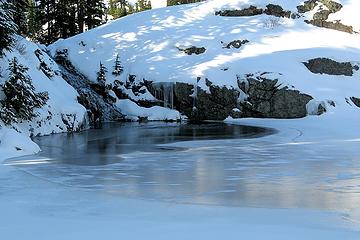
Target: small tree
[20,96]
[101,75]
[118,69]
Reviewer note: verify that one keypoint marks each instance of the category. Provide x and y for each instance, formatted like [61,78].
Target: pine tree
[7,27]
[118,69]
[20,96]
[101,75]
[46,18]
[118,8]
[93,12]
[33,27]
[20,8]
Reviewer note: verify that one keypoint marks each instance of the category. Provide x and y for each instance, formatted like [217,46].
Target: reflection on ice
[149,162]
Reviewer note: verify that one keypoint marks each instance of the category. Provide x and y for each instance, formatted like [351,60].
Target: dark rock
[267,99]
[236,43]
[322,15]
[311,4]
[337,25]
[277,11]
[204,106]
[193,50]
[99,109]
[332,5]
[356,101]
[320,18]
[250,11]
[329,66]
[331,103]
[321,109]
[307,6]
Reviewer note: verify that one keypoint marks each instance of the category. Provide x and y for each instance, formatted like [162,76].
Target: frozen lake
[215,164]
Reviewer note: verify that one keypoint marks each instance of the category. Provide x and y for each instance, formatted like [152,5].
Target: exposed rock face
[337,25]
[311,4]
[250,11]
[236,44]
[307,6]
[330,67]
[201,105]
[320,18]
[277,11]
[267,99]
[271,9]
[193,50]
[356,101]
[99,108]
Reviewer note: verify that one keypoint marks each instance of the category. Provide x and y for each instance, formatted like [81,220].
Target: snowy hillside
[156,46]
[61,113]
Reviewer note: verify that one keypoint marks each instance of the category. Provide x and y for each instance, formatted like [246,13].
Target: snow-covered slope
[149,43]
[61,111]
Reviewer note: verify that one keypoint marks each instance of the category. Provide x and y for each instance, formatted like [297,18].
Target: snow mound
[61,112]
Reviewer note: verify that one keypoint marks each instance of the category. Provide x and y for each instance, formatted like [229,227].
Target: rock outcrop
[250,11]
[330,67]
[271,9]
[320,18]
[266,98]
[356,101]
[193,50]
[99,108]
[236,44]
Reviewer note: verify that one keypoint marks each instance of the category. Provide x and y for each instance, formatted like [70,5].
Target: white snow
[62,101]
[156,113]
[147,44]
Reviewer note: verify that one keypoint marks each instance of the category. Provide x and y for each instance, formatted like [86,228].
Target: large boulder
[330,67]
[200,105]
[266,98]
[277,11]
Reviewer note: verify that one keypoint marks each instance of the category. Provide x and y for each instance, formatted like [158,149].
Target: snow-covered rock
[278,39]
[61,113]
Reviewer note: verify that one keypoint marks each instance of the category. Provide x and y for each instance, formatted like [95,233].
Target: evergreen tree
[46,18]
[20,8]
[101,75]
[33,27]
[118,69]
[94,12]
[118,8]
[65,19]
[7,27]
[20,97]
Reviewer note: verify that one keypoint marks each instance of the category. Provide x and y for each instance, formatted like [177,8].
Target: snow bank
[156,113]
[62,103]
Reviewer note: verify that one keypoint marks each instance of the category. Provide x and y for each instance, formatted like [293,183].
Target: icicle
[172,95]
[195,93]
